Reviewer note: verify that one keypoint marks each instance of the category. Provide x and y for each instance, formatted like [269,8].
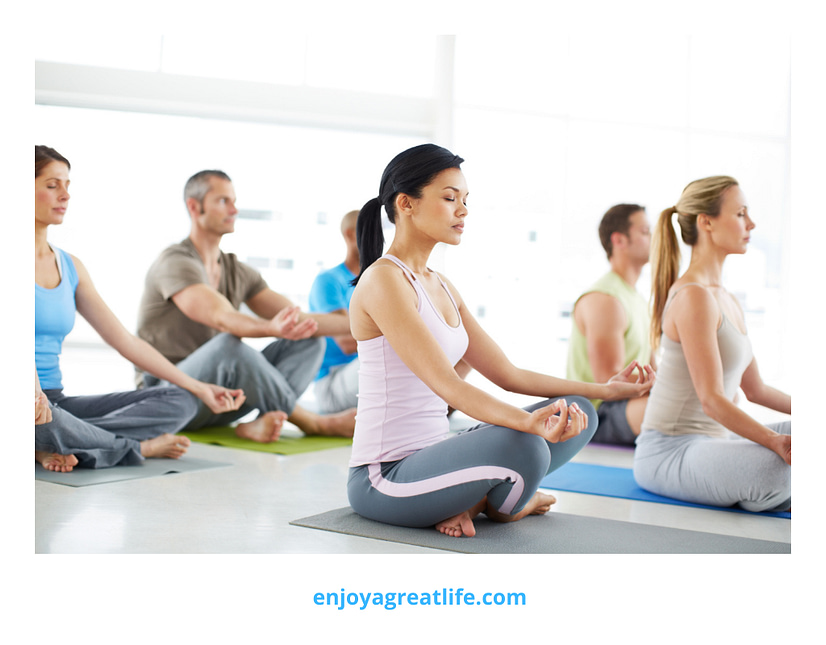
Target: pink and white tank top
[397,413]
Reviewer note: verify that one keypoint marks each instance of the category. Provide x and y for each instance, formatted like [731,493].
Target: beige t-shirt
[162,324]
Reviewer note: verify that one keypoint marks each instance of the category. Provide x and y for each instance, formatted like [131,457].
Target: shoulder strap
[402,266]
[674,293]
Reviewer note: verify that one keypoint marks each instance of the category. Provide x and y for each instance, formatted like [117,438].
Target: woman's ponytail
[369,235]
[702,196]
[408,172]
[665,264]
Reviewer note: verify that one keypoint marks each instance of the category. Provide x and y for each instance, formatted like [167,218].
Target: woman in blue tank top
[104,430]
[412,328]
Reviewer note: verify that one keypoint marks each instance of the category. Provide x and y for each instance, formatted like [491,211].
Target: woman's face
[731,229]
[441,210]
[51,193]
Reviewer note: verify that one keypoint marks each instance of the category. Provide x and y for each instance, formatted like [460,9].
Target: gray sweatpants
[106,430]
[451,476]
[272,379]
[717,472]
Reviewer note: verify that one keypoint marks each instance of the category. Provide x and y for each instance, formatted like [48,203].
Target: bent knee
[525,453]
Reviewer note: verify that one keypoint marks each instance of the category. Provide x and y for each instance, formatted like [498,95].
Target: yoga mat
[550,533]
[286,445]
[149,468]
[609,481]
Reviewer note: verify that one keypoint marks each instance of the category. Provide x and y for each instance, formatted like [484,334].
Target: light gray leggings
[451,476]
[718,472]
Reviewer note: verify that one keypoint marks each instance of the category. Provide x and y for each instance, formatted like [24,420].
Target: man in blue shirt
[336,386]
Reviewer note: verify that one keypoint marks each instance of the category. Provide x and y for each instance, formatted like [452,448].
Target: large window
[553,132]
[557,132]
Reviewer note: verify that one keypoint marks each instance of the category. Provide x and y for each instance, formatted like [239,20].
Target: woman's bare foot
[462,524]
[53,461]
[539,504]
[264,429]
[457,526]
[168,446]
[341,424]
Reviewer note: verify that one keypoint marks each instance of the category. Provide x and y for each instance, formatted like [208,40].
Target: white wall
[553,133]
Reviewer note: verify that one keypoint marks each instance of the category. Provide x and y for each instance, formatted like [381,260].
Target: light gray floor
[247,507]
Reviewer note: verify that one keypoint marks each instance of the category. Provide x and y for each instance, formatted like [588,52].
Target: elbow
[753,394]
[713,405]
[218,322]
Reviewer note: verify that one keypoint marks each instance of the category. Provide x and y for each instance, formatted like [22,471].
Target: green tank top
[637,343]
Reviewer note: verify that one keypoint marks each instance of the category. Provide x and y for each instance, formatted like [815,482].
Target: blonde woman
[696,444]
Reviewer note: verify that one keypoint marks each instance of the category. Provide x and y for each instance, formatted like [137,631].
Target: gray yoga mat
[149,468]
[551,533]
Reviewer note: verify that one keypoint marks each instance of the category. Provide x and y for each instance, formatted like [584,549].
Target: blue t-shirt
[54,317]
[331,291]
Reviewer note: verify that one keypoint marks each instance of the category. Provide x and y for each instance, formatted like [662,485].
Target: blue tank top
[54,317]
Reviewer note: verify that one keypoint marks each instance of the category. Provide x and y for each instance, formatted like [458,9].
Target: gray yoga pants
[717,472]
[106,430]
[338,389]
[451,476]
[272,379]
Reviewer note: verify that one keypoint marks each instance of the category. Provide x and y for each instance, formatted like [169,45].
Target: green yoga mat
[286,445]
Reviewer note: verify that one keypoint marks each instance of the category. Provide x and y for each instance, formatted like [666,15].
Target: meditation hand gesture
[220,399]
[627,385]
[287,324]
[558,421]
[42,410]
[782,445]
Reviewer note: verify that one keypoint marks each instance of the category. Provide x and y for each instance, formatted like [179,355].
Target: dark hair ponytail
[407,173]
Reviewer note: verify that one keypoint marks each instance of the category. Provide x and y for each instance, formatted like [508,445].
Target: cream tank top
[397,413]
[673,406]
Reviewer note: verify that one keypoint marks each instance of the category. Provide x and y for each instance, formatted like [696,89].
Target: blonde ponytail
[665,264]
[702,196]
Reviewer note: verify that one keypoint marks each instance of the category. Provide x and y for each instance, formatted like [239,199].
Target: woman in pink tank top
[412,328]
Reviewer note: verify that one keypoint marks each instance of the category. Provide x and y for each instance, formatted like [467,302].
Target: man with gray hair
[190,312]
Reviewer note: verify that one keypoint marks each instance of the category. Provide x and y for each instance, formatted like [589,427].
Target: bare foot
[264,429]
[457,526]
[341,424]
[539,504]
[53,461]
[168,446]
[462,524]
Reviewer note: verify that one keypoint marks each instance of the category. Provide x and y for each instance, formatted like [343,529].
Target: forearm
[726,413]
[771,398]
[147,358]
[530,383]
[332,324]
[241,325]
[480,405]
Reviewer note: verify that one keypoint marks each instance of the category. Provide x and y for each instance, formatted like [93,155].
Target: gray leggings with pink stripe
[451,476]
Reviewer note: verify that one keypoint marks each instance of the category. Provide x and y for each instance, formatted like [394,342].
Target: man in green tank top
[611,322]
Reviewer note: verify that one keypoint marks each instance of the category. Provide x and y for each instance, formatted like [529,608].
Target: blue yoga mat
[618,482]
